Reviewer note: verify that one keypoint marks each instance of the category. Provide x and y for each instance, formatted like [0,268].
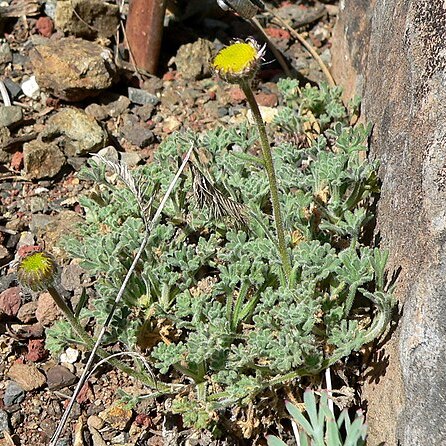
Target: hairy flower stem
[269,165]
[86,339]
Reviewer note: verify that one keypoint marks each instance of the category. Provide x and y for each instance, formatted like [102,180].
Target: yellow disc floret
[238,62]
[37,271]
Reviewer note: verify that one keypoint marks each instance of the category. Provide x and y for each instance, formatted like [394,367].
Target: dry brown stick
[277,54]
[136,70]
[306,45]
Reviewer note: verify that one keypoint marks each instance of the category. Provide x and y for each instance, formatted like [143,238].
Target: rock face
[398,49]
[42,160]
[10,116]
[193,59]
[87,18]
[78,133]
[73,69]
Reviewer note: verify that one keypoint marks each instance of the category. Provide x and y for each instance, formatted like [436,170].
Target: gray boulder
[393,53]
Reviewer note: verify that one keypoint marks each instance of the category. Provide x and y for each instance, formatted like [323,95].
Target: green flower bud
[37,271]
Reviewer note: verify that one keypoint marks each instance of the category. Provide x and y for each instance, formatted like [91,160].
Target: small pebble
[138,134]
[71,276]
[45,26]
[131,158]
[109,153]
[17,419]
[97,111]
[4,422]
[27,376]
[120,439]
[36,350]
[13,88]
[4,253]
[171,124]
[69,356]
[10,301]
[5,53]
[47,310]
[14,394]
[28,331]
[142,97]
[17,161]
[222,111]
[117,416]
[268,114]
[31,88]
[50,8]
[95,422]
[117,107]
[27,312]
[10,116]
[267,99]
[59,377]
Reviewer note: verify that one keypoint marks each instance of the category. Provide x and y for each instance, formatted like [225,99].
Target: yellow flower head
[239,61]
[37,270]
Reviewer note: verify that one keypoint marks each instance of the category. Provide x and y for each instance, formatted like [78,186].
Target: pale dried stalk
[329,389]
[5,95]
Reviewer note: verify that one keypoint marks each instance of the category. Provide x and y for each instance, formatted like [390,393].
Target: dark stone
[14,89]
[6,281]
[138,134]
[398,49]
[59,377]
[142,97]
[14,394]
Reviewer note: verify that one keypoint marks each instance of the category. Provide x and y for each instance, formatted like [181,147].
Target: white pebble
[69,356]
[30,88]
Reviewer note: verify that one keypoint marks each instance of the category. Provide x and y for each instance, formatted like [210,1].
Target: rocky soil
[72,93]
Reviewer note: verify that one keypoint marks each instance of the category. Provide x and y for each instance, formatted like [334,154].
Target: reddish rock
[27,312]
[236,94]
[10,301]
[143,420]
[47,310]
[27,249]
[45,26]
[36,350]
[267,99]
[278,33]
[169,76]
[17,161]
[86,394]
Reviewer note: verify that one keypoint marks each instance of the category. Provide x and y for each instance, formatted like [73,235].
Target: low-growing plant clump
[211,305]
